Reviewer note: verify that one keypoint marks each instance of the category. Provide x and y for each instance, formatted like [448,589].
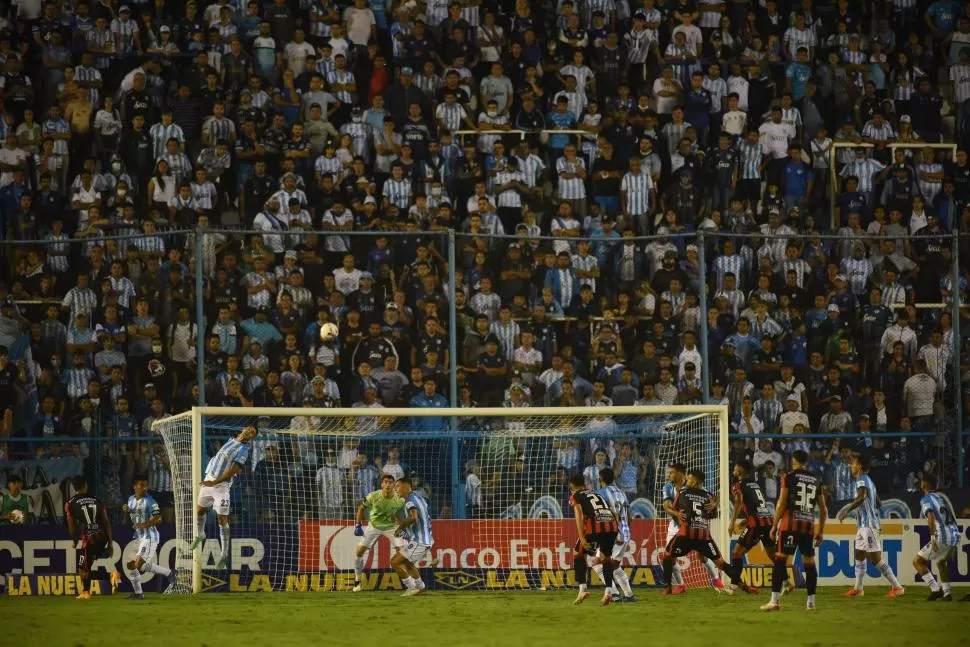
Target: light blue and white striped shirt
[618,501]
[142,510]
[572,188]
[867,516]
[420,532]
[670,494]
[233,451]
[946,530]
[637,188]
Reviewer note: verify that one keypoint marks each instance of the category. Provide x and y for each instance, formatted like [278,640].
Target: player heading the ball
[415,531]
[868,540]
[384,507]
[944,540]
[794,527]
[219,473]
[598,527]
[694,510]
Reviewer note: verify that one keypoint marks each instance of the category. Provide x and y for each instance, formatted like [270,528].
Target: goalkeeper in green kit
[385,508]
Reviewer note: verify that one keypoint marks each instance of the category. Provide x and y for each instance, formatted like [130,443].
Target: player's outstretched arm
[359,519]
[234,469]
[860,498]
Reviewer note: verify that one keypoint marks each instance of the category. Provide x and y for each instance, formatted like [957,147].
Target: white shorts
[372,534]
[146,549]
[671,533]
[215,497]
[869,540]
[414,552]
[619,549]
[936,552]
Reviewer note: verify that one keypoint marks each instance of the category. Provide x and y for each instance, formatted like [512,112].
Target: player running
[88,523]
[145,516]
[801,493]
[693,507]
[598,526]
[944,540]
[617,501]
[385,507]
[415,528]
[676,477]
[219,473]
[867,538]
[757,518]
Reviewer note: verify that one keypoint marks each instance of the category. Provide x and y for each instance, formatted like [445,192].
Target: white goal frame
[719,526]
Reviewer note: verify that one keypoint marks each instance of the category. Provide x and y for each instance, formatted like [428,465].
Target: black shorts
[599,541]
[790,541]
[93,548]
[753,534]
[680,546]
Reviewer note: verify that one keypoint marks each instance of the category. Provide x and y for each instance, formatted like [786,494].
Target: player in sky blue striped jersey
[617,500]
[219,473]
[867,539]
[676,481]
[145,516]
[415,530]
[943,543]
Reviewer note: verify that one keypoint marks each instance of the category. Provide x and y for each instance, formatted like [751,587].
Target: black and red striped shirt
[692,501]
[597,515]
[756,509]
[804,489]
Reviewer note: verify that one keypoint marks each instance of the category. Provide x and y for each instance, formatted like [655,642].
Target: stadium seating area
[651,202]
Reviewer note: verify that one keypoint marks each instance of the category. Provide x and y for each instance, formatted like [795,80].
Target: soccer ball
[328,332]
[17,516]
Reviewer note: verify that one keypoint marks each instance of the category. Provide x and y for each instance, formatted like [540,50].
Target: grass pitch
[482,619]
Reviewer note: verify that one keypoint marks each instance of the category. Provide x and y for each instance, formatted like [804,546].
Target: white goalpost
[496,482]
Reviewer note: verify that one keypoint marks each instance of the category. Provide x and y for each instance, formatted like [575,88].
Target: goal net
[496,483]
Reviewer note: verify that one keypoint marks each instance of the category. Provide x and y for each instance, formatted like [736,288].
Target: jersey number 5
[698,510]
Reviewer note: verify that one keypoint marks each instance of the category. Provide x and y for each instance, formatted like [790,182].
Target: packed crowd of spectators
[575,147]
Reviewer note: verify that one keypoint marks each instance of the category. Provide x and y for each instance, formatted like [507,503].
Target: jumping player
[757,519]
[145,517]
[617,500]
[693,507]
[867,539]
[676,477]
[88,523]
[795,521]
[385,507]
[219,473]
[416,529]
[597,526]
[944,540]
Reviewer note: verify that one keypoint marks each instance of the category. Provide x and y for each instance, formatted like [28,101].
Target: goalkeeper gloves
[359,530]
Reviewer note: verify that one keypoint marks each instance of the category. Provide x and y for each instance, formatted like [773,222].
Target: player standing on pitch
[676,478]
[944,540]
[219,473]
[757,518]
[693,508]
[416,530]
[385,507]
[617,500]
[87,522]
[597,526]
[799,495]
[867,538]
[145,516]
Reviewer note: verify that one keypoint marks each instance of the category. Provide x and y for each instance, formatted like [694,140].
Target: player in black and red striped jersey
[597,526]
[756,517]
[88,523]
[795,527]
[692,505]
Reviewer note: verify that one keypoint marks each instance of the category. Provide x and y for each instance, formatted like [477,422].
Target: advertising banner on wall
[468,555]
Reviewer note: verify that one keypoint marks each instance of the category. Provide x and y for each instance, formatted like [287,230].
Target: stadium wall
[471,555]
